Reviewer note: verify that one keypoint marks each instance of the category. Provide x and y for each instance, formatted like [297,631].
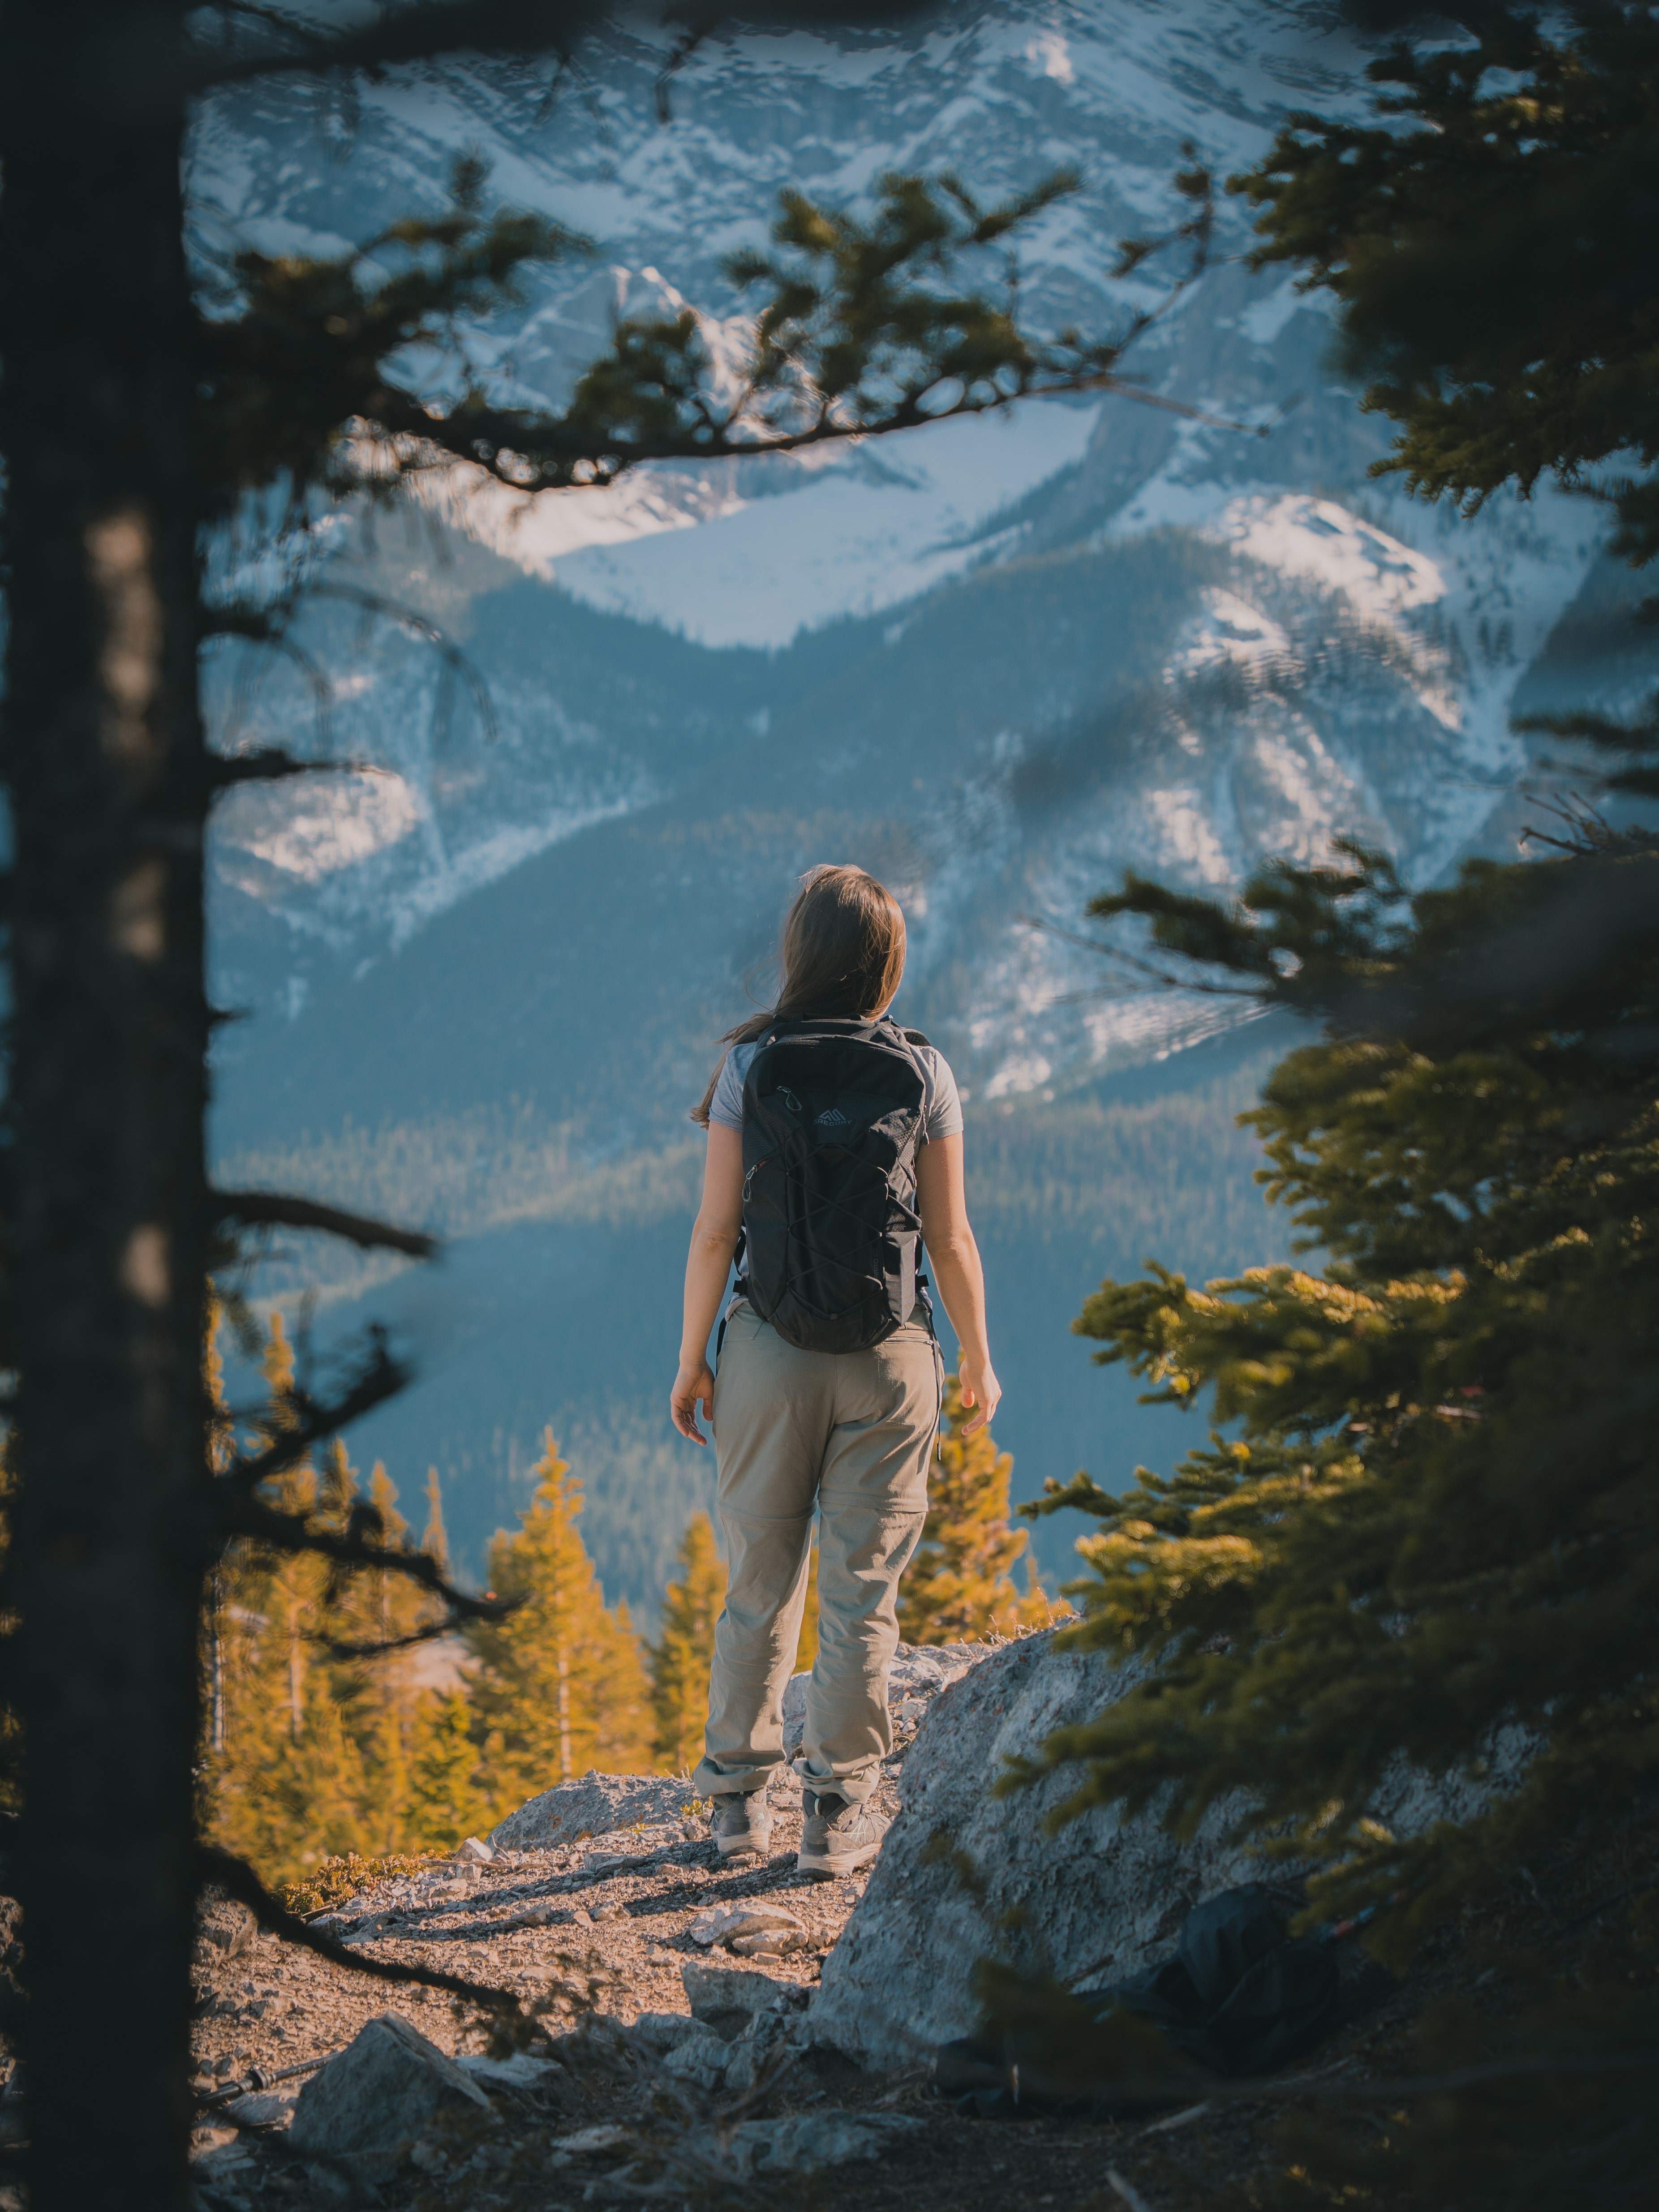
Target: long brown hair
[841,956]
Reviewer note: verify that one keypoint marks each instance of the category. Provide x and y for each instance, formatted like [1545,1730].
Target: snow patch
[758,572]
[1052,55]
[330,823]
[1301,536]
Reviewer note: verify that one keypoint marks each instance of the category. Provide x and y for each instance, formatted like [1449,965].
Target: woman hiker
[834,1145]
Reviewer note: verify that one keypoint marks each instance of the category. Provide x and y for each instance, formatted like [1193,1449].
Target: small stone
[586,2141]
[660,2031]
[475,1851]
[723,1994]
[700,2057]
[730,1924]
[770,1943]
[266,2108]
[522,2071]
[383,2091]
[807,2142]
[595,1806]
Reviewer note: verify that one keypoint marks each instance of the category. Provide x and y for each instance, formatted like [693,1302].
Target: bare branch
[247,1515]
[496,441]
[260,1208]
[381,1648]
[309,1422]
[238,1879]
[270,764]
[455,657]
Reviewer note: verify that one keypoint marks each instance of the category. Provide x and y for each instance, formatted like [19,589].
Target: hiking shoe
[836,1838]
[742,1824]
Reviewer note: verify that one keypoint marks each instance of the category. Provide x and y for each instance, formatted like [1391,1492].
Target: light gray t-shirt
[941,1107]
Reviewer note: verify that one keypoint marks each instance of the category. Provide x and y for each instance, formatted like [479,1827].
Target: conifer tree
[446,1801]
[681,1657]
[958,1585]
[434,1538]
[1434,1520]
[309,1748]
[560,1684]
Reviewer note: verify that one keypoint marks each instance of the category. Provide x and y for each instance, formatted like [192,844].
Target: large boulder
[384,2091]
[594,1806]
[1101,1899]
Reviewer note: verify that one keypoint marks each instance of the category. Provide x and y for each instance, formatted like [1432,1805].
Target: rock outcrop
[1101,1896]
[1101,1899]
[594,1806]
[387,2090]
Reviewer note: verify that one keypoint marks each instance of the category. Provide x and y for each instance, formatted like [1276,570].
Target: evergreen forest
[337,1732]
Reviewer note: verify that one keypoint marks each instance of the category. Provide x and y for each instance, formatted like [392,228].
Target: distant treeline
[328,1733]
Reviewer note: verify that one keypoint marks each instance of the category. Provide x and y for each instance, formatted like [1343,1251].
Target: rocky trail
[700,2033]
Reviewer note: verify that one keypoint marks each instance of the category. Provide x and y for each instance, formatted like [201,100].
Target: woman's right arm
[942,1202]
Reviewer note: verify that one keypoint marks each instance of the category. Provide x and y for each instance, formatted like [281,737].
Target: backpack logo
[833,1118]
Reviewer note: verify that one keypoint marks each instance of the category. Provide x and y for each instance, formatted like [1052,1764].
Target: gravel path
[610,1916]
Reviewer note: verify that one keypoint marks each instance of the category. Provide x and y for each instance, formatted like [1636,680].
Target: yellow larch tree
[681,1657]
[559,1685]
[958,1585]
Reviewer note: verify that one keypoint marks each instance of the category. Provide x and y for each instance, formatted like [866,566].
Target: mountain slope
[997,662]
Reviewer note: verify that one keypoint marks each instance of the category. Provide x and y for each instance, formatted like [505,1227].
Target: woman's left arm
[714,1240]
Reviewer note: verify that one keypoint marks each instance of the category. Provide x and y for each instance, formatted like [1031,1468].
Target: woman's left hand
[694,1385]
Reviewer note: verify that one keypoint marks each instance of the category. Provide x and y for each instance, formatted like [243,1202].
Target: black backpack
[832,1114]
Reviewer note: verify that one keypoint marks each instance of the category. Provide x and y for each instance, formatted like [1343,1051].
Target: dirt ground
[272,2008]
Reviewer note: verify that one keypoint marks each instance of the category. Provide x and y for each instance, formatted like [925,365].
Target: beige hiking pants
[848,1435]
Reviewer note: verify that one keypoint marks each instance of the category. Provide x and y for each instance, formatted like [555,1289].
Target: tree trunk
[104,765]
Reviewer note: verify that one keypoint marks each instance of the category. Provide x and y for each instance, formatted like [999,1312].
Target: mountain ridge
[997,662]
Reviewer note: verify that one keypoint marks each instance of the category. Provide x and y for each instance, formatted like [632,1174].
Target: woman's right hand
[981,1390]
[694,1383]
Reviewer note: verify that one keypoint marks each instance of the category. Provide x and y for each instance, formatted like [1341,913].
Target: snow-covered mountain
[998,661]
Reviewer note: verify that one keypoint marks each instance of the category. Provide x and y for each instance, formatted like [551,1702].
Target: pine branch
[424,32]
[266,1208]
[221,1870]
[432,28]
[861,332]
[249,1516]
[308,1421]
